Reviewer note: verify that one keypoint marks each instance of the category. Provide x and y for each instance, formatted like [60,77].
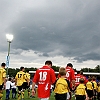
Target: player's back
[28,75]
[80,90]
[95,85]
[77,78]
[85,80]
[20,77]
[89,85]
[44,77]
[2,74]
[44,74]
[70,73]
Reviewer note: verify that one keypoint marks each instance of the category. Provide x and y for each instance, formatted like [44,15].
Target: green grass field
[26,97]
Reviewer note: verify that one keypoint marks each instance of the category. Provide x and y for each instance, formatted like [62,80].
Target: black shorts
[25,85]
[98,95]
[1,87]
[61,96]
[19,88]
[80,97]
[90,93]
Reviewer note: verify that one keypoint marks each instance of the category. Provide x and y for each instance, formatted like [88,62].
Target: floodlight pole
[8,55]
[9,40]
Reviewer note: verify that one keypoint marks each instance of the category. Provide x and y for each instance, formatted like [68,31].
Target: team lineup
[63,85]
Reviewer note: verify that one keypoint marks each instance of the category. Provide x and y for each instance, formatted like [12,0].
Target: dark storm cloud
[89,56]
[68,26]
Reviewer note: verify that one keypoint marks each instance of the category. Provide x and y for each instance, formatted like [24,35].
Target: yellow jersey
[61,86]
[98,89]
[2,75]
[28,76]
[20,78]
[89,85]
[80,90]
[95,85]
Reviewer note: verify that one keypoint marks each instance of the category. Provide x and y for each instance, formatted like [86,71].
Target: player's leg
[44,98]
[15,92]
[61,96]
[90,94]
[70,93]
[68,96]
[80,97]
[24,86]
[19,92]
[12,93]
[22,93]
[98,96]
[1,92]
[7,93]
[94,95]
[28,89]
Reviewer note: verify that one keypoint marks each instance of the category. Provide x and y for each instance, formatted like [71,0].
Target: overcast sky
[62,31]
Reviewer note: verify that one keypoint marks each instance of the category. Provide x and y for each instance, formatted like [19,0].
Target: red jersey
[85,80]
[44,77]
[77,78]
[70,74]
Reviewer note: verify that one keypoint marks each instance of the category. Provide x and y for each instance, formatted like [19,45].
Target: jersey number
[43,76]
[19,75]
[77,79]
[67,73]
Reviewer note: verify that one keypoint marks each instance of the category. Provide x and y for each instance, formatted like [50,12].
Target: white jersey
[13,85]
[8,85]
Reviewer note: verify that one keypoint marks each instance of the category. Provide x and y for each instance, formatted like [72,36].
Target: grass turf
[26,97]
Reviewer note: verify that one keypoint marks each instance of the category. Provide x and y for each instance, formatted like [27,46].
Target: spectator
[8,88]
[14,92]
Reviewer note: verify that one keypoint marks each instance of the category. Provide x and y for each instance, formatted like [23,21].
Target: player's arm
[53,76]
[35,80]
[26,76]
[73,78]
[16,79]
[86,94]
[33,87]
[28,81]
[4,78]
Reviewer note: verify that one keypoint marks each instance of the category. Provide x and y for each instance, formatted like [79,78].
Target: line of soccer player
[64,85]
[22,81]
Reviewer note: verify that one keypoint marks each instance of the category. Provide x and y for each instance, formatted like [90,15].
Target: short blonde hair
[62,71]
[81,80]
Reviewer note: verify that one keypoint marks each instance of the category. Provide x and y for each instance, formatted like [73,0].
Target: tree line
[12,71]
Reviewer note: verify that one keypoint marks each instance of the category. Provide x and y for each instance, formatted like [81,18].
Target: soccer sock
[28,92]
[22,94]
[19,95]
[1,95]
[94,98]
